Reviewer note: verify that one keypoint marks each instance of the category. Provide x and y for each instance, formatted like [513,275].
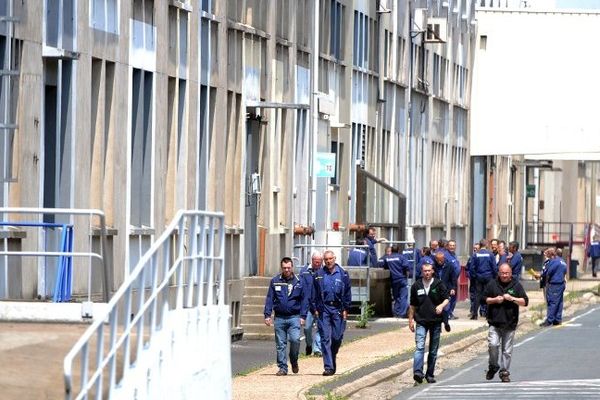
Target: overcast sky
[549,4]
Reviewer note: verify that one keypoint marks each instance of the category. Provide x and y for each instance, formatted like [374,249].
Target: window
[58,134]
[143,30]
[104,15]
[10,62]
[60,22]
[141,148]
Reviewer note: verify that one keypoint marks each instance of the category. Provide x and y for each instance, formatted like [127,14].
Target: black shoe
[447,327]
[281,373]
[545,324]
[489,375]
[430,379]
[308,350]
[317,354]
[474,317]
[594,275]
[295,368]
[555,323]
[328,372]
[504,376]
[418,378]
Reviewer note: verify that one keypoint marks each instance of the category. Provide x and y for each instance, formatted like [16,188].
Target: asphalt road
[559,362]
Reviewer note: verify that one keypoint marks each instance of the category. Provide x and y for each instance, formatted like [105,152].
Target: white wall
[536,83]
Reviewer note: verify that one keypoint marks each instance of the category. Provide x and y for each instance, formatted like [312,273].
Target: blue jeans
[434,343]
[287,328]
[313,341]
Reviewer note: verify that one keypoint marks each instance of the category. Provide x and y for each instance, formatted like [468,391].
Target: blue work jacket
[594,249]
[397,265]
[358,257]
[555,271]
[372,251]
[516,263]
[484,265]
[286,297]
[307,276]
[331,290]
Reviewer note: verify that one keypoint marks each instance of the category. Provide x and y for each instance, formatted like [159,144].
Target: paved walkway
[31,359]
[263,383]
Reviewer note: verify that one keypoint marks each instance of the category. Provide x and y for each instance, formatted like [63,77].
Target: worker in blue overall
[444,271]
[472,283]
[594,252]
[398,267]
[554,276]
[372,241]
[412,256]
[313,341]
[484,269]
[359,256]
[287,298]
[453,260]
[515,260]
[330,303]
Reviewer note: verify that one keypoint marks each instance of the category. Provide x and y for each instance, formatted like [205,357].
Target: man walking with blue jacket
[287,298]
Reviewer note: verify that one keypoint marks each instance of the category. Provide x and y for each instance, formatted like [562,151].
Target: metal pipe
[314,104]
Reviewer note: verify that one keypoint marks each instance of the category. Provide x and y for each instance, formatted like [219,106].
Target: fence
[60,237]
[166,339]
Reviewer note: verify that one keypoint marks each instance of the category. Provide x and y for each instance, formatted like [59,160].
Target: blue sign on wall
[325,165]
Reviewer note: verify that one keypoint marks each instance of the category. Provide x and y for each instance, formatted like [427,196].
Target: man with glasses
[503,296]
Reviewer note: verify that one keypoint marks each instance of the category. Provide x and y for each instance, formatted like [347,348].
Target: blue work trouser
[287,329]
[473,296]
[480,287]
[595,264]
[312,340]
[554,300]
[400,295]
[434,343]
[331,328]
[452,304]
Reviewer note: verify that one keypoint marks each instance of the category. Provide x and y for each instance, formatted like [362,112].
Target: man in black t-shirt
[503,296]
[428,297]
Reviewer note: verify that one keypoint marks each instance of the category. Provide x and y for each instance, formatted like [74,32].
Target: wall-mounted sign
[325,165]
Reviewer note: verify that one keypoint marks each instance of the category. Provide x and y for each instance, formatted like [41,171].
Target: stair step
[253,309]
[258,329]
[253,300]
[257,281]
[253,319]
[256,291]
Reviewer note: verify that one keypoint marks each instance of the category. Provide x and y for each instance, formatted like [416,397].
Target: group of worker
[321,293]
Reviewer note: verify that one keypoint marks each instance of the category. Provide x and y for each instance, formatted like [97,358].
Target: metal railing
[361,291]
[161,333]
[65,254]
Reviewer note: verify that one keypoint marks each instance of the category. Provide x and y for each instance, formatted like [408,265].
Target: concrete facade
[140,108]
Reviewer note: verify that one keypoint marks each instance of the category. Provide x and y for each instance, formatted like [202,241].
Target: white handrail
[191,235]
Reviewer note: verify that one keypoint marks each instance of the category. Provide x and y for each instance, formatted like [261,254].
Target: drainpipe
[314,113]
